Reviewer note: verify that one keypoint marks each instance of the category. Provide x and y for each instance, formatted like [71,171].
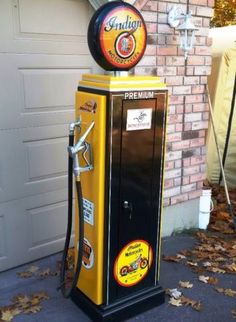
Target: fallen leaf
[234,313]
[213,280]
[33,309]
[196,305]
[220,259]
[229,292]
[170,258]
[41,296]
[15,311]
[186,284]
[186,252]
[175,302]
[226,291]
[44,273]
[216,270]
[33,269]
[24,274]
[192,263]
[21,301]
[231,267]
[220,248]
[219,289]
[206,264]
[203,278]
[180,256]
[34,301]
[173,293]
[55,273]
[187,301]
[7,315]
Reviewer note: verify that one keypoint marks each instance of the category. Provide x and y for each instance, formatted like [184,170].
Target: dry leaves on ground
[208,279]
[233,313]
[185,301]
[215,254]
[34,271]
[7,315]
[203,279]
[24,274]
[178,299]
[175,302]
[226,291]
[23,304]
[196,305]
[173,293]
[221,220]
[171,258]
[185,284]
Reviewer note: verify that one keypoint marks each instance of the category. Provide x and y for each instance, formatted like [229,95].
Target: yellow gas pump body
[95,101]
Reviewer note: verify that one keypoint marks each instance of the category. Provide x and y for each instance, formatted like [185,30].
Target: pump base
[120,310]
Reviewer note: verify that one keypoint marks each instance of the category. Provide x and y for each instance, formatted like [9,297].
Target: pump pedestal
[120,310]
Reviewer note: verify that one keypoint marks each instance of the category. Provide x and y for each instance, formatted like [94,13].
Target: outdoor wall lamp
[182,22]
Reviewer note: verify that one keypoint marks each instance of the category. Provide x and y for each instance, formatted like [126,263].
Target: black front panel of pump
[135,186]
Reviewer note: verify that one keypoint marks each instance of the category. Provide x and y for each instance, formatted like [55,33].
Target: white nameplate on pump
[139,119]
[88,208]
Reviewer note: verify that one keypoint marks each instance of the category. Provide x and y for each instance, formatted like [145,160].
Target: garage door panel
[34,162]
[46,223]
[49,89]
[44,26]
[41,17]
[43,53]
[15,242]
[47,158]
[38,96]
[42,218]
[50,214]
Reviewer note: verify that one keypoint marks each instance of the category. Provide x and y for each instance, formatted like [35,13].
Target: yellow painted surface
[129,83]
[91,279]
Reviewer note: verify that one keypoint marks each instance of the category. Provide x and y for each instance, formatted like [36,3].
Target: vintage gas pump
[118,159]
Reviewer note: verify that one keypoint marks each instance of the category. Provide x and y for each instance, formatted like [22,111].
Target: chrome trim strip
[161,190]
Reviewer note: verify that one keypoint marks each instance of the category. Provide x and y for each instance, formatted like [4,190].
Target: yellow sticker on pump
[133,263]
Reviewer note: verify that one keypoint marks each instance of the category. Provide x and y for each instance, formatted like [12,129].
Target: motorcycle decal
[133,263]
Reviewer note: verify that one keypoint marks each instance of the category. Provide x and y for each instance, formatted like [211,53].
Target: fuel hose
[66,291]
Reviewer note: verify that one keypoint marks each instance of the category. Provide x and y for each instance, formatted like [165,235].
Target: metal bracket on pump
[84,147]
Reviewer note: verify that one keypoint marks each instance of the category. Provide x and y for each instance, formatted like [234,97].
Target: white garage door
[43,53]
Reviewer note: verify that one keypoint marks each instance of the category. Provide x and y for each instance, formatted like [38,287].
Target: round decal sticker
[123,37]
[133,263]
[117,36]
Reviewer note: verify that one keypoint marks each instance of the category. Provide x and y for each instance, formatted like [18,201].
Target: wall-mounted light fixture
[182,22]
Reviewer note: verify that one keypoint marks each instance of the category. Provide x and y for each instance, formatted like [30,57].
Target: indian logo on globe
[123,37]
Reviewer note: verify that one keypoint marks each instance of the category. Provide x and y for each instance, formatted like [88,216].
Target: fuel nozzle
[82,146]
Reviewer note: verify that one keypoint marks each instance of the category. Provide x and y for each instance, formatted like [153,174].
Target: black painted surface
[137,168]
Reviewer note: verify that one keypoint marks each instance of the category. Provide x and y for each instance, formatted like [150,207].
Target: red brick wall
[188,111]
